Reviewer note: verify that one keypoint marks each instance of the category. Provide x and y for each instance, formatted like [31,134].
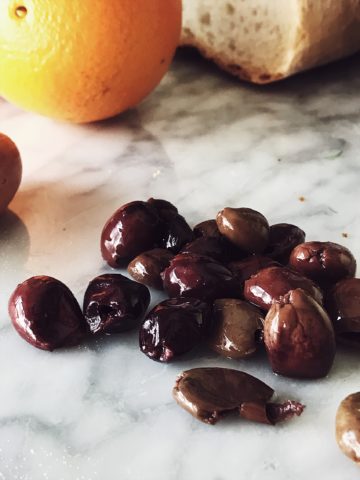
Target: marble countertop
[202,140]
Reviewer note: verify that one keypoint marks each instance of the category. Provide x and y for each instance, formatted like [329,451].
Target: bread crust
[238,35]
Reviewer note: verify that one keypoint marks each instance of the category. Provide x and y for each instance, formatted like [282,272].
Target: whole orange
[85,60]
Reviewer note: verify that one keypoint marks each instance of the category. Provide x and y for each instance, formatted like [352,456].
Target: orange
[85,60]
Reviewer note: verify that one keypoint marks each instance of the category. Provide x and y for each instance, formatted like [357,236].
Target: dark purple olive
[299,337]
[147,267]
[272,283]
[244,269]
[237,328]
[245,228]
[208,247]
[211,394]
[348,427]
[46,314]
[284,237]
[133,229]
[191,275]
[175,231]
[324,262]
[343,306]
[173,328]
[208,228]
[114,303]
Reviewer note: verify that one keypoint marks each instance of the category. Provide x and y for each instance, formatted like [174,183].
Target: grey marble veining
[202,140]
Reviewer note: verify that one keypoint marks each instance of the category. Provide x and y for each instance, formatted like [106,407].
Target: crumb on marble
[345,235]
[279,160]
[302,199]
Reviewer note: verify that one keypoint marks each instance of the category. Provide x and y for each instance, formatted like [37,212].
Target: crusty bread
[266,40]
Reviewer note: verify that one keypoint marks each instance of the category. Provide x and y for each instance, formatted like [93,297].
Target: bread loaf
[266,40]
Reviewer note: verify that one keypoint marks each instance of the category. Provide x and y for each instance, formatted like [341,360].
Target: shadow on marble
[346,69]
[14,240]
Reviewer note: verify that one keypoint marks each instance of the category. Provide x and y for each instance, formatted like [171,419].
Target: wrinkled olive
[299,337]
[114,303]
[324,262]
[174,327]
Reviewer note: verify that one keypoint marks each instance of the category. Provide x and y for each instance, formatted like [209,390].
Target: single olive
[299,337]
[133,229]
[46,314]
[173,328]
[147,267]
[114,303]
[343,306]
[191,275]
[237,328]
[210,394]
[348,426]
[244,227]
[324,262]
[284,237]
[249,266]
[208,228]
[272,283]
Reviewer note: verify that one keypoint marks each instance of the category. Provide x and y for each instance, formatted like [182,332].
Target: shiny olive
[237,328]
[133,229]
[272,283]
[244,227]
[46,314]
[299,337]
[174,327]
[196,276]
[210,394]
[147,267]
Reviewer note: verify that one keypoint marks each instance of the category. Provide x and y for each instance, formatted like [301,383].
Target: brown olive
[147,267]
[210,394]
[237,328]
[343,306]
[208,247]
[324,262]
[348,426]
[299,337]
[272,283]
[244,227]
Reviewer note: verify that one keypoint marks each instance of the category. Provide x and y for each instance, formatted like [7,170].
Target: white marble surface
[202,140]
